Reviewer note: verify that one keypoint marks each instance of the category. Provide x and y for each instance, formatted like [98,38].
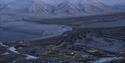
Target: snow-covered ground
[108,60]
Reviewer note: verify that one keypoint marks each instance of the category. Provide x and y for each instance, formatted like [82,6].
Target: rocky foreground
[79,46]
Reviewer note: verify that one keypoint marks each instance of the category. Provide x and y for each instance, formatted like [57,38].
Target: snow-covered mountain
[56,7]
[68,6]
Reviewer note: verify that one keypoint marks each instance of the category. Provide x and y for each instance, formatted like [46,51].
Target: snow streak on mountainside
[68,7]
[56,7]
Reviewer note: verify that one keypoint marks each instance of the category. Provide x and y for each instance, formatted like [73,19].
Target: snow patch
[13,61]
[1,44]
[29,57]
[109,59]
[13,49]
[6,53]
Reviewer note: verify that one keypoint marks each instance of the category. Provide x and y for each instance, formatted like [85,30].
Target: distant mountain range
[56,7]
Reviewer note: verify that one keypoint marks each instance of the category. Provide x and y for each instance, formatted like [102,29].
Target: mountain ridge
[43,7]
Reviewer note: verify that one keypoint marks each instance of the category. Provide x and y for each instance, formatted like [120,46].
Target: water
[10,36]
[21,30]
